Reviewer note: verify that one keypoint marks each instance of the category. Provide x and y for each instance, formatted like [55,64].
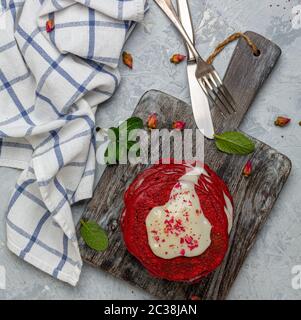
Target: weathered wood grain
[245,75]
[254,197]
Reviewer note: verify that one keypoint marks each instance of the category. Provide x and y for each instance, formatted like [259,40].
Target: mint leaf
[94,236]
[234,143]
[121,134]
[134,123]
[128,125]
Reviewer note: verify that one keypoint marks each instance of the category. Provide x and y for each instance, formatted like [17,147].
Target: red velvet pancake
[152,188]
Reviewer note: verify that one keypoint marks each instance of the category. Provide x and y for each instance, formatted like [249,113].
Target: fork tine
[208,83]
[217,77]
[217,93]
[217,103]
[222,99]
[232,101]
[215,98]
[210,97]
[224,92]
[212,79]
[221,90]
[202,86]
[215,90]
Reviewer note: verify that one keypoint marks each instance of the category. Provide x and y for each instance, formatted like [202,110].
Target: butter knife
[199,101]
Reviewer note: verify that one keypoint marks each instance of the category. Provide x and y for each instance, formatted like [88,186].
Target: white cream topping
[229,212]
[179,228]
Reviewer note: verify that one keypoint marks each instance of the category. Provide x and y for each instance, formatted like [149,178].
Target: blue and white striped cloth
[50,86]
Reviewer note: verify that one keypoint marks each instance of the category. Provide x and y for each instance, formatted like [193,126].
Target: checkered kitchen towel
[50,86]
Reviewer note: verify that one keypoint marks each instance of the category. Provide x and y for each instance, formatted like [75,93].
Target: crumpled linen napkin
[50,86]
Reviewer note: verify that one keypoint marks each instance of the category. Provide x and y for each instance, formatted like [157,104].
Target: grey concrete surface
[266,274]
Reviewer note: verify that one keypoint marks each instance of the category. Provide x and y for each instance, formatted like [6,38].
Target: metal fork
[206,75]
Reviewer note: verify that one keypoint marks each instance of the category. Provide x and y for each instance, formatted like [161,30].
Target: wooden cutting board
[254,197]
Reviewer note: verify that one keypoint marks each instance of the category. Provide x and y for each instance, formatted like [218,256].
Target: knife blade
[199,101]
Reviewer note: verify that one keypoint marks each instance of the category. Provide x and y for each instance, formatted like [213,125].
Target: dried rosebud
[49,25]
[127,59]
[195,298]
[152,121]
[247,171]
[177,58]
[179,125]
[282,121]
